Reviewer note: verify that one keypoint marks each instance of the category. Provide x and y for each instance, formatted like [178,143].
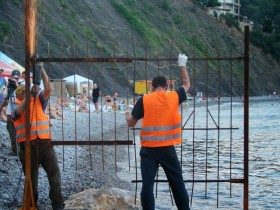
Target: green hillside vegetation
[265,14]
[131,28]
[265,17]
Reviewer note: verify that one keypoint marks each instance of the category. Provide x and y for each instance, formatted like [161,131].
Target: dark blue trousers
[151,157]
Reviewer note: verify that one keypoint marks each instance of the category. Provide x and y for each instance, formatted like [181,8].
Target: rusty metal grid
[218,128]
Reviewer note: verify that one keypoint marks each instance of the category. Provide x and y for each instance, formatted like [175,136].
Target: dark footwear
[58,206]
[13,153]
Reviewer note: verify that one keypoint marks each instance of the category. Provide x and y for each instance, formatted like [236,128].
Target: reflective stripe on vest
[21,129]
[161,125]
[33,133]
[160,138]
[32,125]
[39,127]
[161,128]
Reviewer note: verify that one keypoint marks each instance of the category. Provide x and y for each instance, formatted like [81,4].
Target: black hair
[159,82]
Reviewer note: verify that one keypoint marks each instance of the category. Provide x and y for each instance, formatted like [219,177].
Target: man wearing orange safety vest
[160,131]
[42,152]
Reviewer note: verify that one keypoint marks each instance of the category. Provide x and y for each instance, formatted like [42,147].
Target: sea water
[264,161]
[264,158]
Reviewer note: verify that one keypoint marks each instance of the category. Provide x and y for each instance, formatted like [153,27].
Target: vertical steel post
[246,119]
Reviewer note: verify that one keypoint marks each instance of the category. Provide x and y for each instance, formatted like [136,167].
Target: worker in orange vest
[160,131]
[42,152]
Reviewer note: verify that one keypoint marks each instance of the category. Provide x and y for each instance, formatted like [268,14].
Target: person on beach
[53,113]
[83,104]
[108,106]
[3,113]
[62,101]
[84,91]
[42,152]
[95,96]
[78,100]
[3,84]
[22,81]
[160,131]
[115,96]
[13,83]
[115,105]
[122,106]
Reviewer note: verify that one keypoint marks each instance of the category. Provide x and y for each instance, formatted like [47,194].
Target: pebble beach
[81,167]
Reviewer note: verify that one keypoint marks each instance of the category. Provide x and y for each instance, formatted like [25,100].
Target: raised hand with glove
[182,61]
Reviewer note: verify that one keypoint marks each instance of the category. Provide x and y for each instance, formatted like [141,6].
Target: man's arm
[182,61]
[136,114]
[47,85]
[131,121]
[185,78]
[19,109]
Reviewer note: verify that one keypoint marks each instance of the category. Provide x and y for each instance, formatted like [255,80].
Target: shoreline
[234,100]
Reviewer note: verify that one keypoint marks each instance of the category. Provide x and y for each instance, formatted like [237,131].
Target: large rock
[103,199]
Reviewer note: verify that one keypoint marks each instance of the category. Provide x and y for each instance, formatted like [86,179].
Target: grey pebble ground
[82,167]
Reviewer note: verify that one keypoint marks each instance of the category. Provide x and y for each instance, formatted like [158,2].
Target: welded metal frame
[245,58]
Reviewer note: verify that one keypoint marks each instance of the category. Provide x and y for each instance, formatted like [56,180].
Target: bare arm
[131,121]
[20,108]
[185,78]
[182,61]
[47,85]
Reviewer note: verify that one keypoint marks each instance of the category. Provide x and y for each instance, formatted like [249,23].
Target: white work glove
[182,59]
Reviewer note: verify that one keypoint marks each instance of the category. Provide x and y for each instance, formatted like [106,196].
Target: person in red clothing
[3,84]
[160,131]
[42,152]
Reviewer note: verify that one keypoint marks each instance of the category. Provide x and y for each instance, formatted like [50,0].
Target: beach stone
[105,199]
[5,196]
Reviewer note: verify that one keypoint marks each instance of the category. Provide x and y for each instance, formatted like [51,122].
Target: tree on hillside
[266,18]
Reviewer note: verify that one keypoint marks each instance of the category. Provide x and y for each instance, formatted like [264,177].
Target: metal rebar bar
[246,119]
[219,116]
[88,142]
[236,181]
[207,121]
[127,60]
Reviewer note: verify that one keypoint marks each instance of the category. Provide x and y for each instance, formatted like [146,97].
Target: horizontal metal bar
[210,129]
[201,181]
[123,60]
[68,143]
[191,129]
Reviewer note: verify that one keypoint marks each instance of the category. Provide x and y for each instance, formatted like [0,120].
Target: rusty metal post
[30,21]
[246,119]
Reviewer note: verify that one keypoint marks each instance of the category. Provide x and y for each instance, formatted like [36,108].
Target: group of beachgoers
[82,103]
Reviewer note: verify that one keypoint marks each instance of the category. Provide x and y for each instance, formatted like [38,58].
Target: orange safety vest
[161,125]
[39,126]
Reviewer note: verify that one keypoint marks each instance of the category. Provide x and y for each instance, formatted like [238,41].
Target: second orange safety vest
[39,124]
[161,125]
